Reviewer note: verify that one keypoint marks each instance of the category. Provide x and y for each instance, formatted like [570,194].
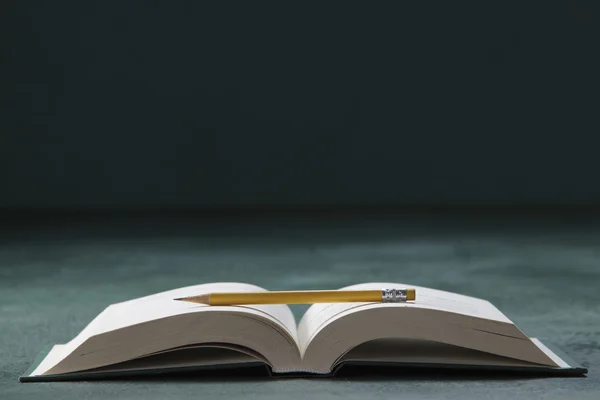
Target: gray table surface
[543,275]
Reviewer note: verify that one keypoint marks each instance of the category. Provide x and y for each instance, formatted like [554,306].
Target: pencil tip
[200,299]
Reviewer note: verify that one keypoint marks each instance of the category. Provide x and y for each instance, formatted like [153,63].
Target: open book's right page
[318,315]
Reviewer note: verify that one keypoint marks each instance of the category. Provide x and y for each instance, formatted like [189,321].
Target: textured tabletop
[543,275]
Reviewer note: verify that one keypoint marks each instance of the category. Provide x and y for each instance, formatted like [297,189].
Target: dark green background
[181,103]
[132,105]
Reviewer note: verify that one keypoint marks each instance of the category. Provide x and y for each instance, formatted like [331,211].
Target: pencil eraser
[411,294]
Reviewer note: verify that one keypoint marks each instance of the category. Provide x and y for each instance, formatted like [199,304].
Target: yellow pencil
[304,297]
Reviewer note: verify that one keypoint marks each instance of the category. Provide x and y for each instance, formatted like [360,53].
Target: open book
[158,334]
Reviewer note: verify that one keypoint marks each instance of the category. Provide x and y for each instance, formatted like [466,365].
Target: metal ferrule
[393,295]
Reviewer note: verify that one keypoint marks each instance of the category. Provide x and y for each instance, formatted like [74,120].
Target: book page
[190,356]
[56,354]
[416,351]
[162,305]
[318,315]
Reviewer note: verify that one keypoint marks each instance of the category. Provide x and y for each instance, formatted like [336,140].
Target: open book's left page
[155,323]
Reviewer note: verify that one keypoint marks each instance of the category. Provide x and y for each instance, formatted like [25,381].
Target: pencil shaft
[295,297]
